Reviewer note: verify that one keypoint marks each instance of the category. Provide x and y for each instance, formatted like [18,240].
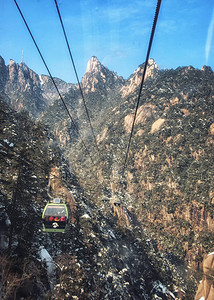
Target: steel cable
[143,78]
[72,60]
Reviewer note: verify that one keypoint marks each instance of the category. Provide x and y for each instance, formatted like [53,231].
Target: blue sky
[116,31]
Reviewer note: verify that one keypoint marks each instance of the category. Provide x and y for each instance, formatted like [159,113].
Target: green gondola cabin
[55,217]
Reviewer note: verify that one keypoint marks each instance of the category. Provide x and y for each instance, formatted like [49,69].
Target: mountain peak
[93,64]
[136,78]
[98,77]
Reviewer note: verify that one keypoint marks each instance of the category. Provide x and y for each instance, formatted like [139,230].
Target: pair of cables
[54,83]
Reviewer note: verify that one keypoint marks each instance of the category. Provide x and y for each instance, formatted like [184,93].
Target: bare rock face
[99,78]
[21,78]
[143,114]
[136,78]
[93,65]
[206,288]
[49,92]
[23,89]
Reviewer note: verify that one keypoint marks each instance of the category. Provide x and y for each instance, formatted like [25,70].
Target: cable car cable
[143,77]
[78,81]
[61,98]
[72,60]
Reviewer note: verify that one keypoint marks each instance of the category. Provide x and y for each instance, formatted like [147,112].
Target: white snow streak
[45,256]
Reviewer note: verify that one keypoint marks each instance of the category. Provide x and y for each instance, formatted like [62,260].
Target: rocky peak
[207,69]
[21,77]
[136,78]
[13,68]
[93,65]
[49,91]
[98,77]
[22,87]
[2,63]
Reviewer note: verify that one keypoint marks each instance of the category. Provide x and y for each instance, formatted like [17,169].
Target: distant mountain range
[167,186]
[18,83]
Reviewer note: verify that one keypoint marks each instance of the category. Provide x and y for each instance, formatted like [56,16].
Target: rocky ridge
[23,89]
[135,79]
[49,91]
[169,174]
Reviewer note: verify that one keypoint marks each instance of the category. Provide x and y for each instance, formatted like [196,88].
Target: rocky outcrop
[206,288]
[49,91]
[23,89]
[136,78]
[144,112]
[3,74]
[99,78]
[157,125]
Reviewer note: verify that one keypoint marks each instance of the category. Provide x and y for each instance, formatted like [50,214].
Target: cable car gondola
[55,217]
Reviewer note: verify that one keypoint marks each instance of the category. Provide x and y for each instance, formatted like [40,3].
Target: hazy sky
[116,31]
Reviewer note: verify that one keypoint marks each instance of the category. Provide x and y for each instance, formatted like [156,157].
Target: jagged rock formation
[49,91]
[98,78]
[25,90]
[135,79]
[3,74]
[100,88]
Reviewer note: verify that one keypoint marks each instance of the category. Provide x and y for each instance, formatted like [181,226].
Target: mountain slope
[94,259]
[163,197]
[168,178]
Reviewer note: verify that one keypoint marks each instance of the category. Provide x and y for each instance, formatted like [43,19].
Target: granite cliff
[25,90]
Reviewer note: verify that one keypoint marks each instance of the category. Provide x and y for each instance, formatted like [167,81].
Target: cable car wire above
[81,91]
[143,77]
[55,85]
